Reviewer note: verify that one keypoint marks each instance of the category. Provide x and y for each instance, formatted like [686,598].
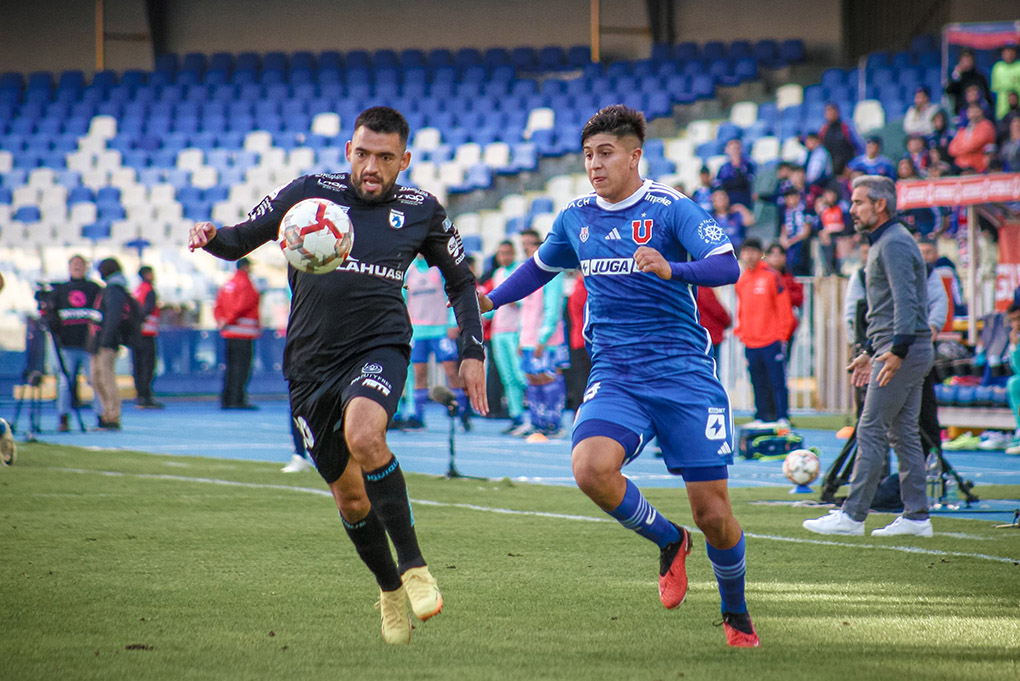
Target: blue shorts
[445,350]
[689,414]
[555,357]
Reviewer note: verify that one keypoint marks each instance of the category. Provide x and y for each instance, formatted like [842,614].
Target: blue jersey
[637,323]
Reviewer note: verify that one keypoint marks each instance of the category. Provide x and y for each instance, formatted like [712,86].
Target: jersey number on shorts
[306,432]
[715,428]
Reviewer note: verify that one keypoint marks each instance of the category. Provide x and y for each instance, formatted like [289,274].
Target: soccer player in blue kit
[643,249]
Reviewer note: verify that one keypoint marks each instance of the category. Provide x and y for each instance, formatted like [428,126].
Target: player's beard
[384,190]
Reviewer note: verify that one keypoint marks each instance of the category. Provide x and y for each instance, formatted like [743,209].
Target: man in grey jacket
[893,364]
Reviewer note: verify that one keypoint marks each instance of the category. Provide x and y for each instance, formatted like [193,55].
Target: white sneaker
[783,423]
[836,522]
[992,440]
[523,430]
[297,464]
[905,526]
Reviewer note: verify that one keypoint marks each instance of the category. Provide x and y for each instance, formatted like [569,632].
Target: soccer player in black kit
[348,346]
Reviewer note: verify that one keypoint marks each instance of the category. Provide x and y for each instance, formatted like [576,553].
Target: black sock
[369,538]
[388,493]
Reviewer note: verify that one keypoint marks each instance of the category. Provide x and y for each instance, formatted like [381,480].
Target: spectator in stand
[916,220]
[1012,112]
[143,354]
[1005,79]
[917,153]
[941,135]
[736,175]
[918,119]
[734,219]
[764,321]
[1010,150]
[833,218]
[818,165]
[237,317]
[972,95]
[795,232]
[703,194]
[872,161]
[839,138]
[963,76]
[775,257]
[714,318]
[968,146]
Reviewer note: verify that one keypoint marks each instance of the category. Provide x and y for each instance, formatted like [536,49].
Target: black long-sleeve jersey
[359,305]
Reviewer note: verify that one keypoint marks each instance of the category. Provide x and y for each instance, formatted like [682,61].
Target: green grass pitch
[133,566]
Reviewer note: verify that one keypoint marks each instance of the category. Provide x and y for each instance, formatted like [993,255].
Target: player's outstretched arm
[526,279]
[715,270]
[472,372]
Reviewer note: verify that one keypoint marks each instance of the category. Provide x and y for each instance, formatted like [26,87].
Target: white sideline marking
[540,514]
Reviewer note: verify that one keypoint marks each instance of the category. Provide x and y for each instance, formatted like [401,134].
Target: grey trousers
[890,416]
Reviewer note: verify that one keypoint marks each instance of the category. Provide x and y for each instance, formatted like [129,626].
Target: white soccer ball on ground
[801,466]
[316,236]
[8,449]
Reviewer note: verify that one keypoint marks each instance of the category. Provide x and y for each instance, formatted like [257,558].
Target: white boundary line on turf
[539,514]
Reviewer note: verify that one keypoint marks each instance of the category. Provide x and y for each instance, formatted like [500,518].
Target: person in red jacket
[237,317]
[714,318]
[968,146]
[764,322]
[143,353]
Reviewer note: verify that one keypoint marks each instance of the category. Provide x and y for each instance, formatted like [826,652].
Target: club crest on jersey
[396,219]
[641,230]
[584,234]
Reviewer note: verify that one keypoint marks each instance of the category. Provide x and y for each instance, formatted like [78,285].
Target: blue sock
[729,569]
[535,411]
[634,512]
[462,401]
[421,396]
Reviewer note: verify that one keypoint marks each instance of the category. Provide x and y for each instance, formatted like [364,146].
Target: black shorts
[317,407]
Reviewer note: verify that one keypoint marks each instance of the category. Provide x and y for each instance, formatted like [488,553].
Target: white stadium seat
[190,159]
[42,177]
[468,154]
[542,118]
[793,151]
[869,115]
[326,124]
[25,195]
[679,150]
[103,127]
[765,149]
[699,132]
[744,114]
[496,155]
[789,95]
[427,139]
[513,205]
[258,141]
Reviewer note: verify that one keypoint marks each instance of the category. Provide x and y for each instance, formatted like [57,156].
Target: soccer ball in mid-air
[8,449]
[316,236]
[801,466]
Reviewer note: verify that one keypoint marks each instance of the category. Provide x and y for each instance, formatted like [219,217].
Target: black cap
[243,263]
[108,267]
[143,270]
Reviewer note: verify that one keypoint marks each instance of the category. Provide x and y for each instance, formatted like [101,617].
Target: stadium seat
[789,95]
[868,116]
[743,114]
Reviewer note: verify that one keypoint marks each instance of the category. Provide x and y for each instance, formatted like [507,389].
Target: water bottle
[933,479]
[952,496]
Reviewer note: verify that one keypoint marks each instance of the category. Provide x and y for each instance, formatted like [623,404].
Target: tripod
[35,365]
[445,397]
[840,470]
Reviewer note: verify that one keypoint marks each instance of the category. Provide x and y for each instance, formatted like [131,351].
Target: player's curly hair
[383,119]
[617,120]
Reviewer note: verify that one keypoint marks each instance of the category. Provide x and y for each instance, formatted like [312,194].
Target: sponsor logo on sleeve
[448,225]
[372,368]
[710,232]
[266,203]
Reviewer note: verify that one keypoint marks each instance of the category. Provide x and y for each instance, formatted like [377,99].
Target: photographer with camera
[67,310]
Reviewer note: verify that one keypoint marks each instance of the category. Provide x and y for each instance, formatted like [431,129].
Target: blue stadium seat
[727,131]
[97,231]
[687,51]
[6,196]
[199,211]
[524,58]
[496,56]
[80,195]
[740,49]
[135,158]
[544,204]
[703,86]
[14,178]
[902,60]
[579,56]
[110,212]
[248,61]
[551,58]
[714,50]
[792,51]
[27,214]
[745,69]
[472,243]
[767,53]
[662,52]
[515,225]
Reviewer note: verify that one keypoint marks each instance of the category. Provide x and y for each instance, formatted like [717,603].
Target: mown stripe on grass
[539,514]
